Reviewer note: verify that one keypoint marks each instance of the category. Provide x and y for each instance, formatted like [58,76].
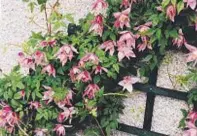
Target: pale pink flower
[89,57]
[26,62]
[34,105]
[171,12]
[50,70]
[125,51]
[40,132]
[192,116]
[90,91]
[127,3]
[122,19]
[48,95]
[65,53]
[60,130]
[73,72]
[99,70]
[66,114]
[40,58]
[84,76]
[99,5]
[144,27]
[97,25]
[109,45]
[145,44]
[48,43]
[190,132]
[191,3]
[67,100]
[192,56]
[159,8]
[180,40]
[127,82]
[127,38]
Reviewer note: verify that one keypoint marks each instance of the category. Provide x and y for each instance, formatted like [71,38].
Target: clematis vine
[48,95]
[26,62]
[40,58]
[180,40]
[84,76]
[40,132]
[122,19]
[171,12]
[66,114]
[128,81]
[109,45]
[73,72]
[127,38]
[34,105]
[50,43]
[99,5]
[97,25]
[124,51]
[50,70]
[191,3]
[100,69]
[65,53]
[89,57]
[192,56]
[91,90]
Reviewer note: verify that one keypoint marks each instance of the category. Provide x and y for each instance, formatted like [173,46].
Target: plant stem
[46,18]
[22,130]
[115,94]
[99,127]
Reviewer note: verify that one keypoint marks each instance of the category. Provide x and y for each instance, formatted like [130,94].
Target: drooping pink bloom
[144,27]
[109,45]
[22,94]
[50,70]
[48,43]
[127,82]
[66,101]
[60,130]
[40,132]
[48,95]
[192,56]
[125,51]
[97,25]
[191,3]
[190,132]
[99,5]
[73,72]
[66,114]
[34,105]
[89,57]
[192,116]
[65,53]
[127,38]
[90,91]
[171,12]
[40,58]
[84,76]
[99,70]
[145,44]
[122,19]
[180,40]
[26,62]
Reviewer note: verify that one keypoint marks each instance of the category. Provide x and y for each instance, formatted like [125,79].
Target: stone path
[15,28]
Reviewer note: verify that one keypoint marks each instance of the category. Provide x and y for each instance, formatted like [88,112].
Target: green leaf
[31,5]
[180,6]
[173,2]
[69,18]
[20,85]
[158,34]
[97,79]
[41,1]
[17,95]
[165,3]
[116,67]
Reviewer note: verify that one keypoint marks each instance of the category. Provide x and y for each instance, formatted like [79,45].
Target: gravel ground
[15,27]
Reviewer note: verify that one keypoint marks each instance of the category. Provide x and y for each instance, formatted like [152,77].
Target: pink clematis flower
[73,72]
[127,82]
[48,43]
[34,105]
[84,76]
[97,25]
[171,12]
[60,130]
[145,44]
[40,58]
[192,56]
[109,45]
[180,40]
[192,116]
[122,19]
[49,69]
[127,38]
[144,27]
[67,100]
[191,3]
[89,57]
[125,51]
[26,62]
[40,132]
[66,114]
[65,53]
[99,5]
[48,95]
[99,70]
[90,91]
